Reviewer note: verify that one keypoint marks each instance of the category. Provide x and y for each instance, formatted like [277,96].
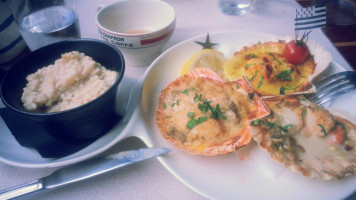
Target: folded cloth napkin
[30,134]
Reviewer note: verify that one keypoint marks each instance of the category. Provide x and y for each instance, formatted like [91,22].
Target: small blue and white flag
[310,18]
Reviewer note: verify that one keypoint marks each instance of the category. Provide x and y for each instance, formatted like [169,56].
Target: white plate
[246,174]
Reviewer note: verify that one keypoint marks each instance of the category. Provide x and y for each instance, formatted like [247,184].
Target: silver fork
[332,86]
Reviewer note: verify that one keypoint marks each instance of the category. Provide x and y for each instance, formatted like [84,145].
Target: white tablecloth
[149,179]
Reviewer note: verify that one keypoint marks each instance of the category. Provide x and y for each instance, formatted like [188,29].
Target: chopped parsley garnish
[252,56]
[253,77]
[215,111]
[193,122]
[164,106]
[263,64]
[255,122]
[261,121]
[284,88]
[270,124]
[322,129]
[285,75]
[186,91]
[260,82]
[237,86]
[248,65]
[176,103]
[271,54]
[285,128]
[204,107]
[197,98]
[202,119]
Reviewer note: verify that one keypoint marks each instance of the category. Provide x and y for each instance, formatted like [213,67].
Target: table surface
[149,179]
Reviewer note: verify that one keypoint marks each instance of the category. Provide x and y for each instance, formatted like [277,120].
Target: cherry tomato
[295,53]
[337,136]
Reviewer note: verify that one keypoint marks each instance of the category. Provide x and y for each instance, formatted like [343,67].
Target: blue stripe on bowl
[11,45]
[6,23]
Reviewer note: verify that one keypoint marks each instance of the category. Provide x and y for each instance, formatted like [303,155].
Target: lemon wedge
[206,58]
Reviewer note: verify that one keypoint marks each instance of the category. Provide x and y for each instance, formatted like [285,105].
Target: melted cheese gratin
[268,71]
[201,114]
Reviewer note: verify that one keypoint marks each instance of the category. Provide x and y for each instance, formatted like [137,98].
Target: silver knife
[83,170]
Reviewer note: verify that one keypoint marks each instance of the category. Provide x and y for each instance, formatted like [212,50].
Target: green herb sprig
[193,122]
[285,75]
[288,87]
[271,54]
[215,111]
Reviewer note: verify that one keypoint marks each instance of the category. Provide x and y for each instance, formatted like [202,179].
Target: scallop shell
[214,135]
[322,59]
[304,144]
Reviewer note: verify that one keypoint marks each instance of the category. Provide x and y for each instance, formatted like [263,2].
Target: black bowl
[82,123]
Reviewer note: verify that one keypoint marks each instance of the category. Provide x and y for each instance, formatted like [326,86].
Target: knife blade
[83,170]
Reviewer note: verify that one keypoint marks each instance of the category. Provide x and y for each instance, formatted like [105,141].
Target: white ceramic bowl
[138,28]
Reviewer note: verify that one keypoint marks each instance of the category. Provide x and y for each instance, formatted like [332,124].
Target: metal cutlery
[332,86]
[83,170]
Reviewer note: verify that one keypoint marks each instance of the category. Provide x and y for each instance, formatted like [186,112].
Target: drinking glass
[235,7]
[45,22]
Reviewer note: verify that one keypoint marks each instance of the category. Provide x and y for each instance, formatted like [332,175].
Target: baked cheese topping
[204,115]
[268,71]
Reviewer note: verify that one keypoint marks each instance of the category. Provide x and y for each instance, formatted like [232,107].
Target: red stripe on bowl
[155,39]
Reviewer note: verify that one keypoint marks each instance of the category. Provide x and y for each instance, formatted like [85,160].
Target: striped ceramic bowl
[138,28]
[11,42]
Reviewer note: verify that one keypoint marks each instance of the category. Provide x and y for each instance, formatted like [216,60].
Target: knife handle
[20,190]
